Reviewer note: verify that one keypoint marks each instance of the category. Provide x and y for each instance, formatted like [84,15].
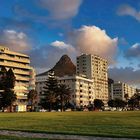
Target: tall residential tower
[20,65]
[95,67]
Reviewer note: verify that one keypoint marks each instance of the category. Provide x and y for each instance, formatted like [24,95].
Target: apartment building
[95,67]
[82,90]
[40,83]
[20,65]
[122,91]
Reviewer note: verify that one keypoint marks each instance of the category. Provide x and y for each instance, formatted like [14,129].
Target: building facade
[122,91]
[82,90]
[19,63]
[95,67]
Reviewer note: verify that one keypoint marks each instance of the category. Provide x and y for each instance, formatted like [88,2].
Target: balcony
[22,60]
[21,78]
[16,71]
[14,65]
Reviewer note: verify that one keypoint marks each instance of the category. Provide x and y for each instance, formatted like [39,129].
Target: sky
[47,29]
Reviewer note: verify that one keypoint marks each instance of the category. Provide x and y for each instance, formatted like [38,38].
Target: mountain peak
[63,67]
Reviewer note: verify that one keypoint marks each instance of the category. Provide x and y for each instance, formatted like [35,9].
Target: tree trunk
[62,106]
[10,108]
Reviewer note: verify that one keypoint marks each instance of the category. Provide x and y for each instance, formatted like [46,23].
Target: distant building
[82,90]
[20,64]
[110,82]
[122,91]
[95,67]
[40,83]
[32,75]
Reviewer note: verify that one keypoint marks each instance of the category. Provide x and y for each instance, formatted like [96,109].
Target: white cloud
[16,41]
[62,45]
[93,40]
[123,41]
[126,9]
[61,9]
[133,51]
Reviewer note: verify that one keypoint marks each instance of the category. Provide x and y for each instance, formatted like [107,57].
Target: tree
[120,103]
[134,101]
[10,79]
[32,98]
[111,103]
[64,95]
[126,96]
[3,78]
[7,99]
[50,91]
[7,83]
[98,104]
[90,107]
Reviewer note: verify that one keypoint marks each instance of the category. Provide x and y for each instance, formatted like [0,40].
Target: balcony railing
[15,59]
[16,71]
[16,65]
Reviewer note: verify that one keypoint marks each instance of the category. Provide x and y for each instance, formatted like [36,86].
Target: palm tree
[64,95]
[32,98]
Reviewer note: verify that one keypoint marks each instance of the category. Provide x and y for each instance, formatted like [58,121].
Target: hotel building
[20,65]
[95,67]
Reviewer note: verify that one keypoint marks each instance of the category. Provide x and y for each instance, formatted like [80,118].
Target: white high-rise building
[95,67]
[20,65]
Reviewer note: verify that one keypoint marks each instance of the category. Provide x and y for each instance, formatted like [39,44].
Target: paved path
[55,136]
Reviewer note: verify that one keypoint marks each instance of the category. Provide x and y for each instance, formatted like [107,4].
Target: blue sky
[47,29]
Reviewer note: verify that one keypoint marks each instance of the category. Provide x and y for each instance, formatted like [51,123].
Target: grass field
[112,124]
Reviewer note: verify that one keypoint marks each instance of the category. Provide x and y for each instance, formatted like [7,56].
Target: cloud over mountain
[93,40]
[62,45]
[47,55]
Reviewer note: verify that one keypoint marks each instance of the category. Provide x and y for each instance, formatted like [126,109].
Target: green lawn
[112,124]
